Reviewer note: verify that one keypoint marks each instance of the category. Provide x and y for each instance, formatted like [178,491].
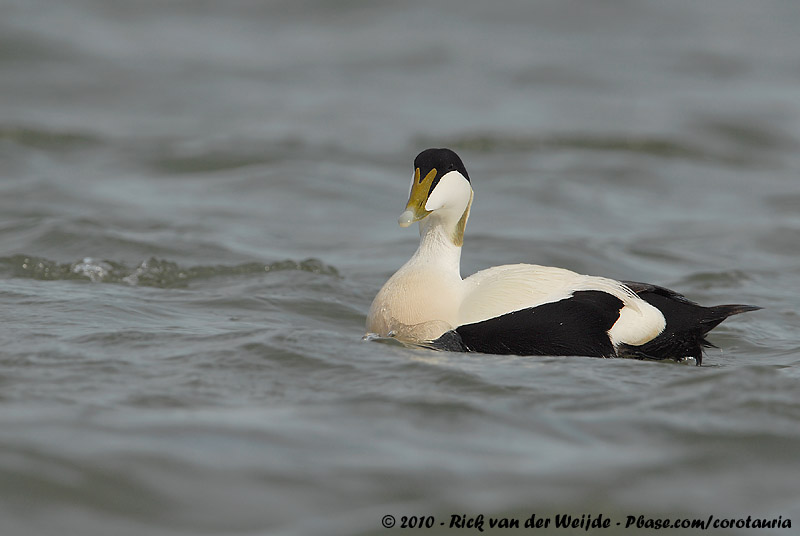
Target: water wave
[149,273]
[44,138]
[663,147]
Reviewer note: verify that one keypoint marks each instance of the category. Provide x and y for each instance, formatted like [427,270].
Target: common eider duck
[522,309]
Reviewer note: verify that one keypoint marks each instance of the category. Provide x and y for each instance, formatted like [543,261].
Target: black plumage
[687,324]
[579,325]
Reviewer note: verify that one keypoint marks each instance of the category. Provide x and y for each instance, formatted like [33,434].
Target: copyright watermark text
[480,523]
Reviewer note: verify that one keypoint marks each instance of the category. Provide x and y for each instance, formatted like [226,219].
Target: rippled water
[198,202]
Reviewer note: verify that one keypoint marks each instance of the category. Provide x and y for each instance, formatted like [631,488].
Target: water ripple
[149,273]
[652,146]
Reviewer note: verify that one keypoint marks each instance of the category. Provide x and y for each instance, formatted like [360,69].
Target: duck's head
[440,187]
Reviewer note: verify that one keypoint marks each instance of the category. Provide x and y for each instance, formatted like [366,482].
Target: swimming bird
[522,309]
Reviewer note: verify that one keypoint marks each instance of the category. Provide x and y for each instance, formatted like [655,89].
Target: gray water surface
[198,202]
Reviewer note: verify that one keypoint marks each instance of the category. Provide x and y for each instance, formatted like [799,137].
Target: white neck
[436,248]
[422,299]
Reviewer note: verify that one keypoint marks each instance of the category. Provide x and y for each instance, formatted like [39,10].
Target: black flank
[577,325]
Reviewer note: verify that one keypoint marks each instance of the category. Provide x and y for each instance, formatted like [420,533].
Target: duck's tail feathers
[712,316]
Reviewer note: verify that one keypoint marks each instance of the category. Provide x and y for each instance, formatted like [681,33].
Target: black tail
[687,324]
[715,315]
